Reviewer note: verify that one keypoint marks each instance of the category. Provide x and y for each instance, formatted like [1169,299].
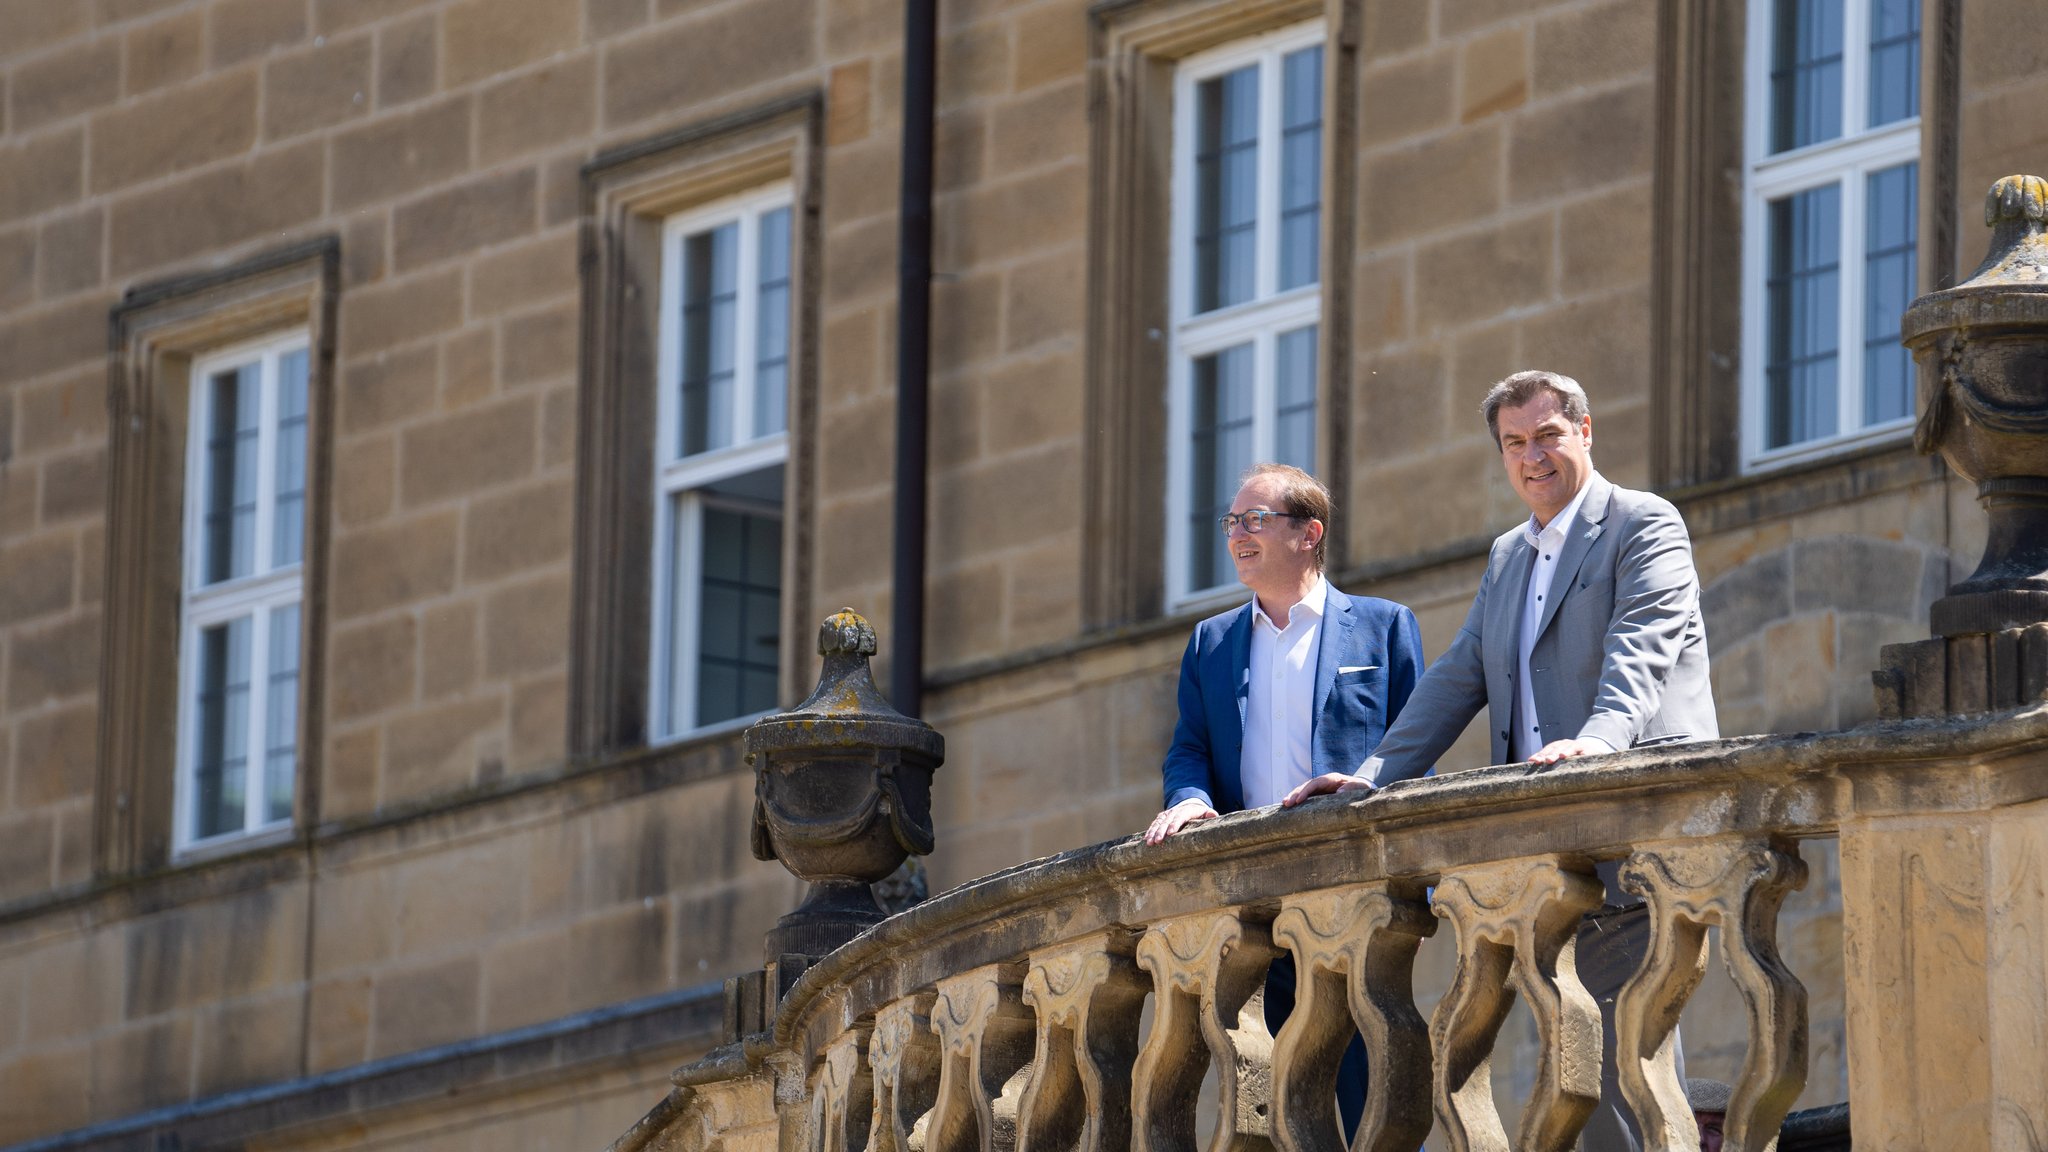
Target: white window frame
[258,595]
[686,477]
[1847,161]
[1260,320]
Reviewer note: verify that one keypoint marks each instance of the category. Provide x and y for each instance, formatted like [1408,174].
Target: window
[1245,296]
[245,524]
[1831,223]
[720,443]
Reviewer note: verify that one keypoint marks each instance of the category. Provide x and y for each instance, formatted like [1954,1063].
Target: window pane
[230,482]
[739,643]
[1226,187]
[1802,314]
[221,732]
[1221,430]
[281,719]
[771,328]
[710,307]
[1294,433]
[288,526]
[1806,72]
[1301,166]
[1889,270]
[1894,61]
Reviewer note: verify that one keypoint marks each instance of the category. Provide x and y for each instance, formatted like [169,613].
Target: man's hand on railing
[1326,783]
[1176,818]
[1557,750]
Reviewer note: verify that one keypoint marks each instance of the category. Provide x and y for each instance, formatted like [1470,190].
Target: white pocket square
[1346,670]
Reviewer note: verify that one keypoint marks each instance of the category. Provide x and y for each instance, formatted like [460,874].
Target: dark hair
[1302,495]
[1523,387]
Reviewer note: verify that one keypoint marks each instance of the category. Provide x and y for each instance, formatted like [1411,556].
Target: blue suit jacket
[1350,713]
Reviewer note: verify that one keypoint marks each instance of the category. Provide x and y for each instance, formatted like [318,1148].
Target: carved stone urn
[842,793]
[1982,351]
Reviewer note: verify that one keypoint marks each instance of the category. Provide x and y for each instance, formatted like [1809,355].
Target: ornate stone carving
[1087,996]
[1354,959]
[1517,923]
[842,1096]
[1738,884]
[905,1058]
[1208,976]
[985,1035]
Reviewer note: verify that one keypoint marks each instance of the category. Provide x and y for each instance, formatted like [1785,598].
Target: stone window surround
[1135,47]
[156,333]
[627,194]
[1697,274]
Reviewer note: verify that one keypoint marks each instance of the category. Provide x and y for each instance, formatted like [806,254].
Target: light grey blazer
[1621,654]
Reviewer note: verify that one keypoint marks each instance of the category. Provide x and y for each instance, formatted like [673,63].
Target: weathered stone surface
[184,128]
[485,37]
[244,28]
[64,84]
[318,88]
[276,191]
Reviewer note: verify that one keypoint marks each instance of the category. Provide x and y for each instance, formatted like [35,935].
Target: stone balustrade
[1005,1015]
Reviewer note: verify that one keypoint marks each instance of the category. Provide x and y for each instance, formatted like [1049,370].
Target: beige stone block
[395,156]
[1583,46]
[27,856]
[53,663]
[48,1091]
[543,268]
[118,11]
[68,254]
[354,919]
[317,88]
[244,944]
[485,37]
[1495,74]
[848,93]
[851,548]
[17,272]
[1042,600]
[540,347]
[1457,17]
[244,28]
[338,1024]
[1382,297]
[856,26]
[463,453]
[526,627]
[1604,242]
[966,320]
[682,65]
[459,898]
[1391,29]
[1582,143]
[165,51]
[1458,505]
[962,618]
[1052,45]
[408,60]
[540,723]
[272,194]
[244,1043]
[469,368]
[1478,357]
[64,84]
[514,531]
[863,178]
[365,478]
[561,189]
[388,388]
[527,979]
[558,427]
[604,18]
[424,1005]
[850,352]
[52,339]
[1407,97]
[373,666]
[26,25]
[448,649]
[1015,218]
[1443,183]
[1032,402]
[534,110]
[363,241]
[42,173]
[92,563]
[1042,302]
[1008,502]
[978,58]
[621,954]
[854,454]
[55,753]
[349,774]
[184,128]
[74,485]
[862,264]
[394,565]
[1603,343]
[61,412]
[387,315]
[438,750]
[1800,673]
[1474,277]
[457,220]
[332,16]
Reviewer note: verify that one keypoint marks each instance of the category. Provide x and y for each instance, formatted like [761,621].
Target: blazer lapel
[1504,607]
[1577,542]
[1330,648]
[1239,646]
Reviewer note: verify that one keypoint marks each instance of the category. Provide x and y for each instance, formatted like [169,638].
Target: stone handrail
[1005,1014]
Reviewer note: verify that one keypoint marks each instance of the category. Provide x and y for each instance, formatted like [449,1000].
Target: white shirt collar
[1311,601]
[1559,523]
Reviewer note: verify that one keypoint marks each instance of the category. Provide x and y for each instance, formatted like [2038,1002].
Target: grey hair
[1523,387]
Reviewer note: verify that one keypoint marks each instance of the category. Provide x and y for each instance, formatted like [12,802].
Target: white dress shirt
[1527,738]
[1279,708]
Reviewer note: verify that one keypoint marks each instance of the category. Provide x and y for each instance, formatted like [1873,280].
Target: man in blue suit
[1301,681]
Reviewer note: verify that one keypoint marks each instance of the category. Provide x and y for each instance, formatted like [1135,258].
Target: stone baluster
[842,1095]
[1354,960]
[1739,884]
[905,1056]
[985,1037]
[1517,924]
[1087,996]
[1208,977]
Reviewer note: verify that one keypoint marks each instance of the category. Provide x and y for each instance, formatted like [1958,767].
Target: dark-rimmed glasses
[1254,521]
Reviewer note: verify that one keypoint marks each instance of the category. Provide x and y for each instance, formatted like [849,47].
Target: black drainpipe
[913,354]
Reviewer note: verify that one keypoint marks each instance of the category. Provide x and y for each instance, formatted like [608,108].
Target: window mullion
[687,605]
[261,544]
[256,752]
[1849,379]
[1855,67]
[746,303]
[1266,213]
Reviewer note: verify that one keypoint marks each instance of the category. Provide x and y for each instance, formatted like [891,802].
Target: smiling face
[1548,455]
[1280,561]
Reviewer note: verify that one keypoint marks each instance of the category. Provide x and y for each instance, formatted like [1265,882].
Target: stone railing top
[1592,809]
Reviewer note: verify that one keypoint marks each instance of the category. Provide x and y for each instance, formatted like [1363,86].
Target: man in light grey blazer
[1585,637]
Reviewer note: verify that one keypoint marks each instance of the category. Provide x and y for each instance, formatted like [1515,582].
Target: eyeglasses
[1254,521]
